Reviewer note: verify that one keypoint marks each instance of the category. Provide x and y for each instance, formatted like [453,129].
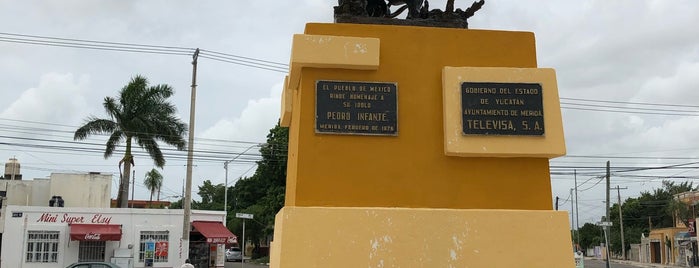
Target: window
[42,246]
[156,236]
[91,251]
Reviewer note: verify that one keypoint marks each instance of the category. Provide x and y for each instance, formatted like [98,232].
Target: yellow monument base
[399,237]
[437,188]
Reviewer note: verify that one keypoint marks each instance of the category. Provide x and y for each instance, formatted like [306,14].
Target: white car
[234,254]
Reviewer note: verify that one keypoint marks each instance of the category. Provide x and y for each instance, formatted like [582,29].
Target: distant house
[144,204]
[674,245]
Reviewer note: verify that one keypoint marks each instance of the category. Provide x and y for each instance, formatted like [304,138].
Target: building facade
[94,191]
[52,223]
[54,237]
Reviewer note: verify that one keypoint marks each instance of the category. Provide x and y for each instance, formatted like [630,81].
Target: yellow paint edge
[399,237]
[327,51]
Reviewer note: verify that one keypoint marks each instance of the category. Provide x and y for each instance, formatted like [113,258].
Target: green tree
[177,204]
[140,113]
[590,235]
[262,194]
[211,196]
[679,210]
[652,209]
[153,181]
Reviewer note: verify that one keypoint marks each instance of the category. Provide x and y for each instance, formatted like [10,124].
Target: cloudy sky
[626,70]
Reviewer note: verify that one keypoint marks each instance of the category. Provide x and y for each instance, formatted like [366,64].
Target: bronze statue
[379,12]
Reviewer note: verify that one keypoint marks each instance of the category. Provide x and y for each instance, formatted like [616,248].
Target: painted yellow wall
[661,234]
[411,169]
[399,237]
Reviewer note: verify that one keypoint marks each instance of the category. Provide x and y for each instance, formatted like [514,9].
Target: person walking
[187,264]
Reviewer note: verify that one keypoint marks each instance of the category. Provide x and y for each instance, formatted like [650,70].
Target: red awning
[95,232]
[215,232]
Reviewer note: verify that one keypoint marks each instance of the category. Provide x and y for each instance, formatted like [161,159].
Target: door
[655,252]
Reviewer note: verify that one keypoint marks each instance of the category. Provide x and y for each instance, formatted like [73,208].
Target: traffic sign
[243,216]
[604,223]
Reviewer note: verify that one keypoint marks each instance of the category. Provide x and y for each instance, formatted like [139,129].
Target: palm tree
[140,113]
[153,182]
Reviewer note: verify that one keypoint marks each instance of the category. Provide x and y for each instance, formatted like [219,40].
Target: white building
[35,234]
[94,191]
[56,237]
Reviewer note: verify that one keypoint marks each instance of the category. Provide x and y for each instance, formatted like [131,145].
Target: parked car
[234,254]
[93,264]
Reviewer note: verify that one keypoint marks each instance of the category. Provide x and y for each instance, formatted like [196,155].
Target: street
[247,265]
[589,263]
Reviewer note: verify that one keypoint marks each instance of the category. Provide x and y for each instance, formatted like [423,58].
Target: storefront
[204,240]
[56,237]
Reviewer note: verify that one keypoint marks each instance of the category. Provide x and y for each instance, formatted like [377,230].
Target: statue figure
[379,12]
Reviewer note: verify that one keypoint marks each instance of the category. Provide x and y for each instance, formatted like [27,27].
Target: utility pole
[572,217]
[607,219]
[190,155]
[577,212]
[607,204]
[621,223]
[225,185]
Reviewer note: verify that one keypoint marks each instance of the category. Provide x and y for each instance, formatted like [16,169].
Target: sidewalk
[639,264]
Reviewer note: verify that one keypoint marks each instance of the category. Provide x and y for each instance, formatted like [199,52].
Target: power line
[73,128]
[264,67]
[189,49]
[629,108]
[140,48]
[632,103]
[225,55]
[628,112]
[94,47]
[630,157]
[577,104]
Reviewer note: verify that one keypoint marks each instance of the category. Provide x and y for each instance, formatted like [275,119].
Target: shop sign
[217,240]
[692,229]
[150,250]
[92,236]
[161,249]
[97,218]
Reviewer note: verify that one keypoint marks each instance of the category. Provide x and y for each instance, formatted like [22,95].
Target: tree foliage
[211,196]
[153,181]
[141,114]
[261,194]
[651,210]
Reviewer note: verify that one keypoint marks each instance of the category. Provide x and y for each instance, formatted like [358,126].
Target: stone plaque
[502,109]
[356,108]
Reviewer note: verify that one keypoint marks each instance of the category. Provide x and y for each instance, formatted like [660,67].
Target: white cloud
[679,87]
[57,98]
[253,123]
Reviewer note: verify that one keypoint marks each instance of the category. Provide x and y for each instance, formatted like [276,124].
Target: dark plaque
[356,108]
[502,109]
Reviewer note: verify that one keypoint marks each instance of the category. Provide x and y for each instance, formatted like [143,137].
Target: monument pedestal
[419,147]
[400,237]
